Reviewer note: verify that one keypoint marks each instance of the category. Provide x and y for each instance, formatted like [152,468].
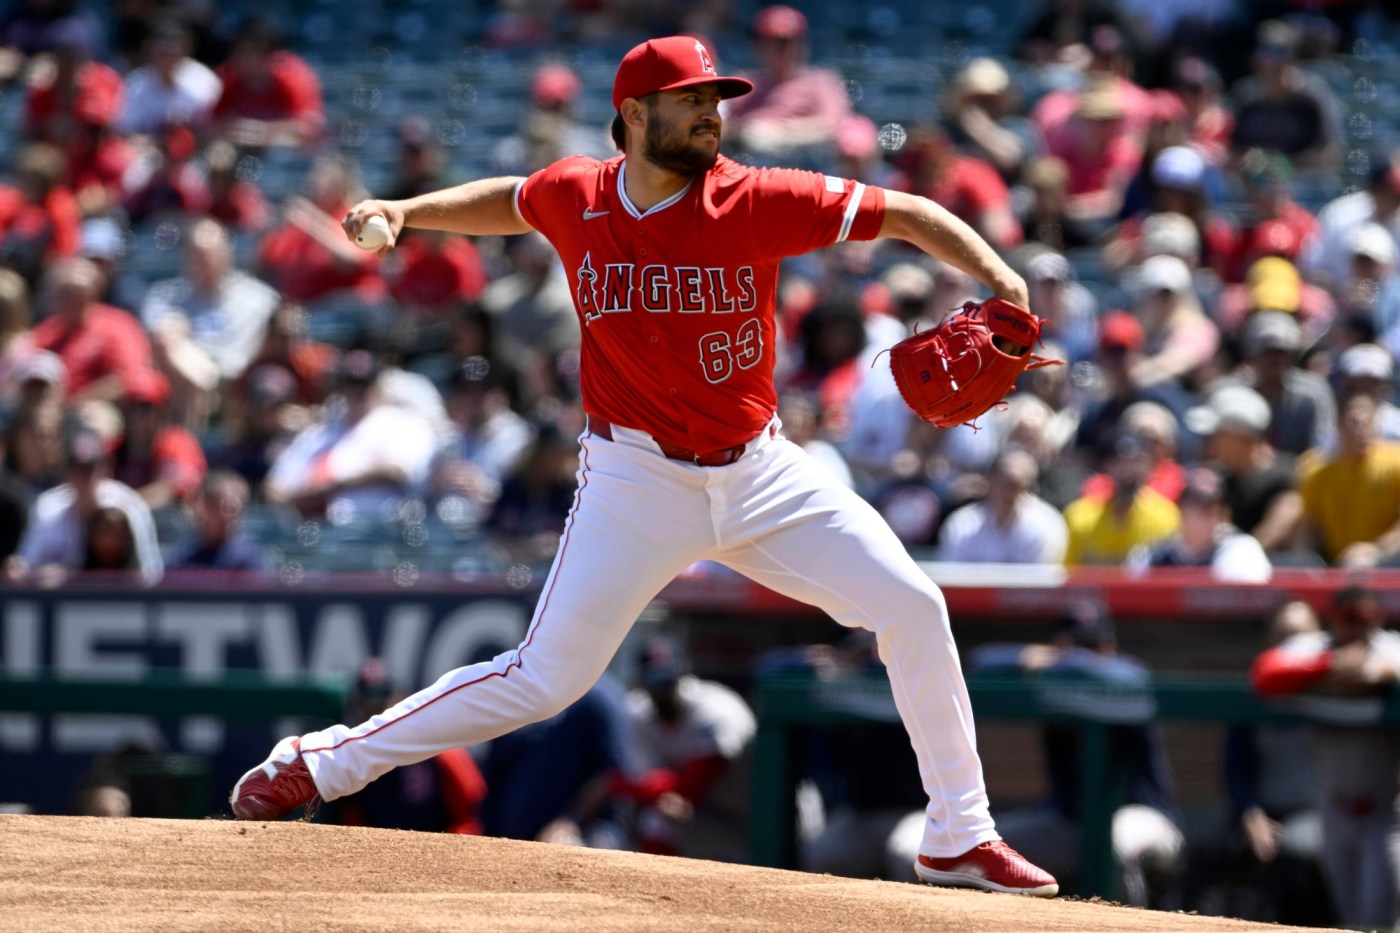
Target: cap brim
[728,87]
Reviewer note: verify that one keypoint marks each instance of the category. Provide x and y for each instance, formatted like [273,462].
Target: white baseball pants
[638,520]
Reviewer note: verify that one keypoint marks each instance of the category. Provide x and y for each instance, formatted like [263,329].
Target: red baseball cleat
[276,787]
[992,866]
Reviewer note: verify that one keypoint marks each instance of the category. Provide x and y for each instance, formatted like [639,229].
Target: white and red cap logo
[670,63]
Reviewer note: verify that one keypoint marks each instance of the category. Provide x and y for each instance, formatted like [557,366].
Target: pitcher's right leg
[616,553]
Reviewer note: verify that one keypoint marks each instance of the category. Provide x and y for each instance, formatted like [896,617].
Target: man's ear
[633,113]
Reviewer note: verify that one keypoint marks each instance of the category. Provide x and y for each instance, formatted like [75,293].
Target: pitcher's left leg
[794,530]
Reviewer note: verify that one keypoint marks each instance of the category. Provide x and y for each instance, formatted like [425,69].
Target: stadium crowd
[1213,236]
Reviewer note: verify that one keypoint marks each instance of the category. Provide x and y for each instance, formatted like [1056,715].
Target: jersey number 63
[719,353]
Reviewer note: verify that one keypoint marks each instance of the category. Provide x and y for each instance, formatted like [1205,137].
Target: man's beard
[675,153]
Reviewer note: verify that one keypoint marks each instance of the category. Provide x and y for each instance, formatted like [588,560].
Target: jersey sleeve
[547,194]
[796,211]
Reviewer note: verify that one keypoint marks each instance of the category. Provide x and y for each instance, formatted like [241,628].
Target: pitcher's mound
[70,873]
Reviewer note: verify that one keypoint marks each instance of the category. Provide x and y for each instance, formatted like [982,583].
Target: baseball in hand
[374,234]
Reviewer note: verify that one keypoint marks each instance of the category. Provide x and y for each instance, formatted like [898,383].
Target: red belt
[715,458]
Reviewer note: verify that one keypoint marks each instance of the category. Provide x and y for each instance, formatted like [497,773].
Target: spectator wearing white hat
[1304,409]
[1373,252]
[1326,257]
[1259,481]
[1180,339]
[1370,370]
[982,105]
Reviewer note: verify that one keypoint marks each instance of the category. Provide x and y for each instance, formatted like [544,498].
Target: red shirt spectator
[1098,145]
[267,93]
[55,220]
[71,92]
[104,349]
[163,462]
[969,188]
[235,203]
[437,272]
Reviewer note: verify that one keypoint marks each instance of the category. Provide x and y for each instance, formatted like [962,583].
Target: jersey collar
[632,208]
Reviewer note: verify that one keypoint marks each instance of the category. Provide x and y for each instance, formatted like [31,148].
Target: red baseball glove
[952,374]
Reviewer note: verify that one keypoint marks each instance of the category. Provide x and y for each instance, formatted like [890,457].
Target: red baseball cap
[667,64]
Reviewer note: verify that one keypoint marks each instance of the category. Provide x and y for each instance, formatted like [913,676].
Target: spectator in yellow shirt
[1351,498]
[1107,531]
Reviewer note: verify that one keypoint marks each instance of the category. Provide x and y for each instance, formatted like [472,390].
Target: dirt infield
[74,873]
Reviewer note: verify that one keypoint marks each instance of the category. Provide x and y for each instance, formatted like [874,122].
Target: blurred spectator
[1063,29]
[534,494]
[1283,108]
[1259,481]
[421,162]
[1373,273]
[170,88]
[1355,764]
[1370,370]
[30,27]
[362,460]
[1147,842]
[218,541]
[104,245]
[1178,178]
[1100,151]
[801,417]
[39,217]
[442,794]
[288,345]
[1070,308]
[982,121]
[15,339]
[430,275]
[72,102]
[270,97]
[1012,525]
[264,425]
[1047,219]
[532,307]
[489,440]
[1156,427]
[793,103]
[234,201]
[1121,340]
[57,540]
[207,325]
[1271,779]
[1278,224]
[166,184]
[163,462]
[102,348]
[1351,498]
[1273,283]
[859,154]
[1304,411]
[1208,539]
[688,732]
[1327,258]
[1178,337]
[308,256]
[34,447]
[548,781]
[111,544]
[833,336]
[547,129]
[1197,86]
[1107,531]
[14,501]
[1045,432]
[68,89]
[968,187]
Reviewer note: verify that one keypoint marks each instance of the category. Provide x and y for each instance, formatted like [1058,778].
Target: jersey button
[643,252]
[673,390]
[655,339]
[641,231]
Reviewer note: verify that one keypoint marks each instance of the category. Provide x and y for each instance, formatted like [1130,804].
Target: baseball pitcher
[672,251]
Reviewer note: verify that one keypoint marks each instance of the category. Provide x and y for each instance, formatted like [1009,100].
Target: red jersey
[108,342]
[291,91]
[676,304]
